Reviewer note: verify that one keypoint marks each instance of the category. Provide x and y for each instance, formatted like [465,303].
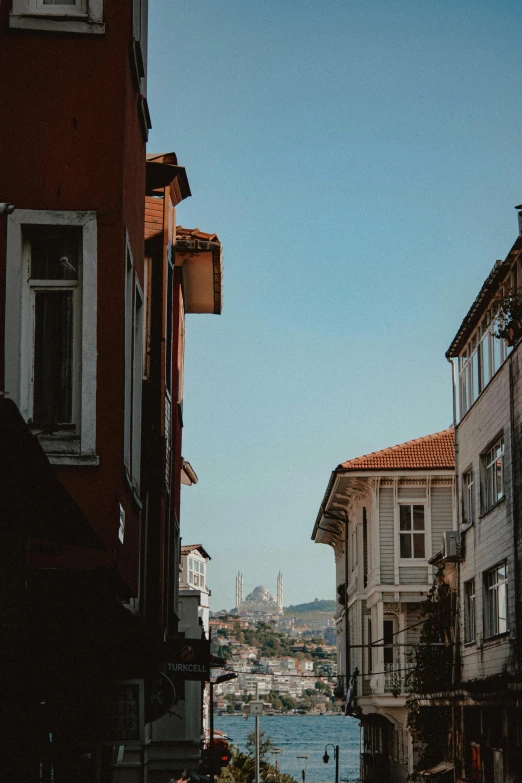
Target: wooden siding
[153,216]
[441,515]
[386,535]
[413,575]
[412,493]
[490,540]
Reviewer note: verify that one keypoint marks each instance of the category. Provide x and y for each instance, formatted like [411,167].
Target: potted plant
[507,311]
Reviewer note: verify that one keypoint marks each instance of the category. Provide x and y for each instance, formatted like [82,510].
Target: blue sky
[360,161]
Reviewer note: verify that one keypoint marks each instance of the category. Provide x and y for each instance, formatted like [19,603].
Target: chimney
[519,219]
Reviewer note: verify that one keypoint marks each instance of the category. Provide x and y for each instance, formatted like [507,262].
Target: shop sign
[125,715]
[187,659]
[160,699]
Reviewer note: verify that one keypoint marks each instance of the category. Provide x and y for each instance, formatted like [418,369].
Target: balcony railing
[394,676]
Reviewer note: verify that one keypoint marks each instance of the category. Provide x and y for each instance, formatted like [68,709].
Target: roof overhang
[188,474]
[348,485]
[489,288]
[30,491]
[162,171]
[202,267]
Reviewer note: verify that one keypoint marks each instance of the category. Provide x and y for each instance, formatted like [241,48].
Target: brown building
[91,380]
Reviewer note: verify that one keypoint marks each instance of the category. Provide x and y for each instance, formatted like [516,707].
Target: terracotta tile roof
[188,548]
[430,451]
[195,233]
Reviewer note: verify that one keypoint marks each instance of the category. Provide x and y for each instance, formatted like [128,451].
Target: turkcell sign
[187,659]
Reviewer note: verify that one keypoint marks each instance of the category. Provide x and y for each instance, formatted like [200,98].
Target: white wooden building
[384,514]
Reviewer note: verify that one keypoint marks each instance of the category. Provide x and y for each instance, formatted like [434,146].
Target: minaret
[280,591]
[239,590]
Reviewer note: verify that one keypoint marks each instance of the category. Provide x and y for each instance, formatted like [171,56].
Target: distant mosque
[259,602]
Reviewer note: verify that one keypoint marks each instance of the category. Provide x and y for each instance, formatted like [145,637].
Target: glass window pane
[53,358]
[499,487]
[502,608]
[485,360]
[476,374]
[405,517]
[495,352]
[406,545]
[54,252]
[418,517]
[418,545]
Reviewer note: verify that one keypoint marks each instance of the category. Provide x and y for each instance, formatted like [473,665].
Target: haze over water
[300,735]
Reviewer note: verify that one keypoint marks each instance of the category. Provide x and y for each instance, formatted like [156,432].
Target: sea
[303,735]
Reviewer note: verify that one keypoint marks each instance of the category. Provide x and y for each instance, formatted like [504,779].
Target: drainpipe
[515,512]
[456,634]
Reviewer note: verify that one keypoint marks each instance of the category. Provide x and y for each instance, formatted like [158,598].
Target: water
[303,735]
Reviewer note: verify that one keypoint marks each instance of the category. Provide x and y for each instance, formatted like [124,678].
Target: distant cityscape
[285,657]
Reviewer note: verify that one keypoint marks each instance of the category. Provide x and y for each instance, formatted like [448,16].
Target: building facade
[95,284]
[384,515]
[488,404]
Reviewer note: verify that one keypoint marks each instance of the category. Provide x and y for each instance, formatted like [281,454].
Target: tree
[265,744]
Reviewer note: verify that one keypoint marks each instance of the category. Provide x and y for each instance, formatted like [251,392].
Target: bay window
[196,572]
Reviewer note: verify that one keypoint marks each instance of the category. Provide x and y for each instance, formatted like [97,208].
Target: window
[495,601]
[134,347]
[196,572]
[469,611]
[127,414]
[66,16]
[137,381]
[468,498]
[494,475]
[411,531]
[388,628]
[369,659]
[481,359]
[50,368]
[53,258]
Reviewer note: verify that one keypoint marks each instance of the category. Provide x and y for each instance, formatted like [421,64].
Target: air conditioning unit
[450,546]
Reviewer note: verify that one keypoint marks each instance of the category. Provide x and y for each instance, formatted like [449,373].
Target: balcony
[394,676]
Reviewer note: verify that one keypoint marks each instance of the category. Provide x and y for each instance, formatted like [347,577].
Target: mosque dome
[260,600]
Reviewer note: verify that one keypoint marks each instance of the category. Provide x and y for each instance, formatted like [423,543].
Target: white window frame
[84,16]
[196,573]
[426,533]
[470,605]
[493,625]
[489,460]
[76,448]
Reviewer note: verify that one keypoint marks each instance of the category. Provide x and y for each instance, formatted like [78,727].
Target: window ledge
[471,643]
[413,561]
[67,23]
[493,507]
[465,528]
[74,459]
[496,637]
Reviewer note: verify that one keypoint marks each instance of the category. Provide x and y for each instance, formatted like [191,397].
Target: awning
[30,492]
[438,769]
